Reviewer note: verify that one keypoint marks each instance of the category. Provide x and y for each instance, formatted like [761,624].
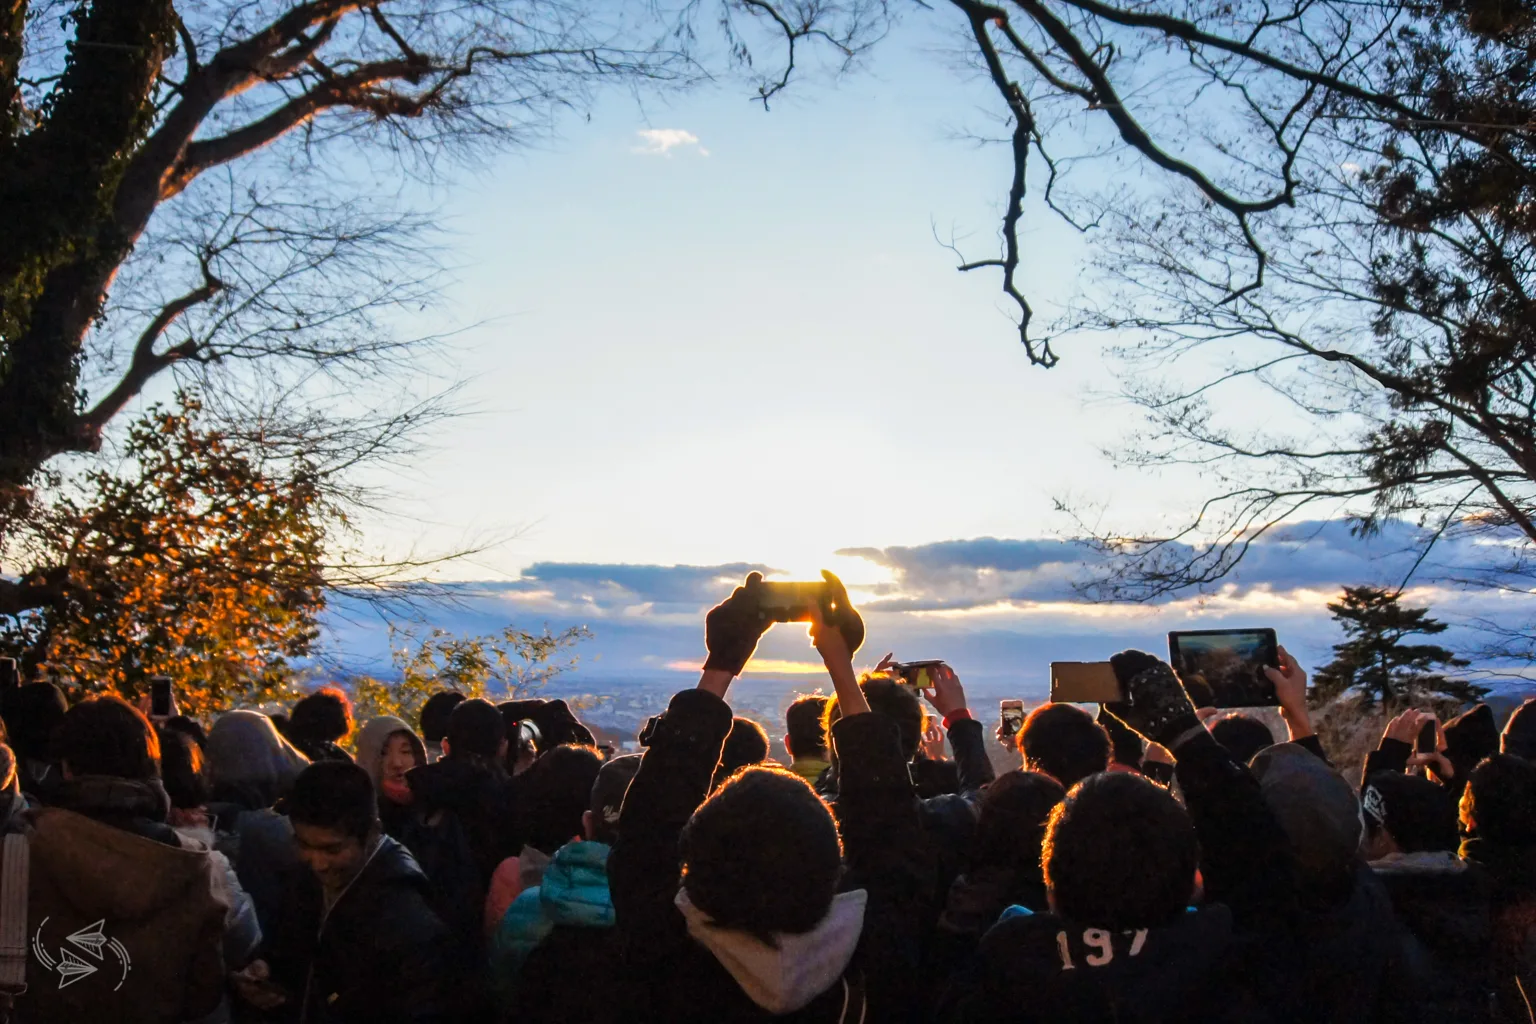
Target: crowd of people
[1153,862]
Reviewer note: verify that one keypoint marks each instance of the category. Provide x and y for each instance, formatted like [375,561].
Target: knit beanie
[1419,815]
[475,727]
[1470,737]
[1316,808]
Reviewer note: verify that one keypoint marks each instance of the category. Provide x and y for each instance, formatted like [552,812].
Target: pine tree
[1374,662]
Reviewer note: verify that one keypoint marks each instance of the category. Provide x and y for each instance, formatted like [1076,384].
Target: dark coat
[1041,968]
[575,976]
[1511,871]
[380,954]
[1444,903]
[681,981]
[463,823]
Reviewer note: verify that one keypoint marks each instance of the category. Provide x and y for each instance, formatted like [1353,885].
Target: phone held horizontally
[916,674]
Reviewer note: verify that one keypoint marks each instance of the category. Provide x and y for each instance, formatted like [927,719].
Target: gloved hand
[849,622]
[733,627]
[1156,705]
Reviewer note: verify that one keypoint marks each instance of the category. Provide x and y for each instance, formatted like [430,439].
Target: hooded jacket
[378,954]
[861,962]
[122,927]
[372,738]
[557,957]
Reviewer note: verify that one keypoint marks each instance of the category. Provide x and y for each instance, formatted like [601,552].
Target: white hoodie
[784,979]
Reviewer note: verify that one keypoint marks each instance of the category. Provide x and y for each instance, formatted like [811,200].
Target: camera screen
[1229,663]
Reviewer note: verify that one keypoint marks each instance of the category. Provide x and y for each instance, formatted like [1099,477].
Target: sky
[696,338]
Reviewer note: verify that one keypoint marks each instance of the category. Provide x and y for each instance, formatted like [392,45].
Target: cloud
[662,141]
[1319,556]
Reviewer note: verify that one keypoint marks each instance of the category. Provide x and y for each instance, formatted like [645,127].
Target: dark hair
[325,715]
[108,736]
[762,854]
[803,722]
[1120,853]
[1242,735]
[32,716]
[886,696]
[181,769]
[1519,736]
[1065,742]
[608,792]
[1125,746]
[1010,828]
[334,795]
[475,729]
[1418,814]
[190,727]
[556,791]
[746,744]
[1500,801]
[435,712]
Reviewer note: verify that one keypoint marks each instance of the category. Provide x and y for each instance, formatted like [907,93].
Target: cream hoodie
[784,979]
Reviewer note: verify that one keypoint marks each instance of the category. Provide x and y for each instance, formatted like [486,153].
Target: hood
[575,886]
[106,872]
[372,737]
[246,750]
[453,783]
[784,979]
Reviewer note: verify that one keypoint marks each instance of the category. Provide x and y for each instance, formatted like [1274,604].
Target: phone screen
[916,674]
[1230,662]
[160,696]
[1012,712]
[10,678]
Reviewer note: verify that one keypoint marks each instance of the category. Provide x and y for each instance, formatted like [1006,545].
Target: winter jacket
[242,927]
[378,954]
[976,900]
[122,927]
[259,844]
[511,877]
[1044,968]
[861,962]
[1443,902]
[1202,967]
[1511,871]
[948,819]
[573,898]
[464,823]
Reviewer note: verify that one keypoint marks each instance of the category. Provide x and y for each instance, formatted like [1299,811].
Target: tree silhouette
[197,558]
[1376,664]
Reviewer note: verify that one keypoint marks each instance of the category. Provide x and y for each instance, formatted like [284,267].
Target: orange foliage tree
[199,557]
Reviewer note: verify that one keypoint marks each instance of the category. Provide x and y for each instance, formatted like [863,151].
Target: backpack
[15,871]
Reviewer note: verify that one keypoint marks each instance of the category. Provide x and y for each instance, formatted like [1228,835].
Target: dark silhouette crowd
[1148,862]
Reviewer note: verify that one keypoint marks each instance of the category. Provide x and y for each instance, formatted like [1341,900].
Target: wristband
[957,715]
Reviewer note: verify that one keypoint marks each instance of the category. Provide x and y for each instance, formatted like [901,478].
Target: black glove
[733,627]
[1156,705]
[847,618]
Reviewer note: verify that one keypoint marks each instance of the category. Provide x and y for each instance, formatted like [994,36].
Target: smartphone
[1084,682]
[1012,712]
[791,602]
[1429,738]
[1230,662]
[160,696]
[10,678]
[916,674]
